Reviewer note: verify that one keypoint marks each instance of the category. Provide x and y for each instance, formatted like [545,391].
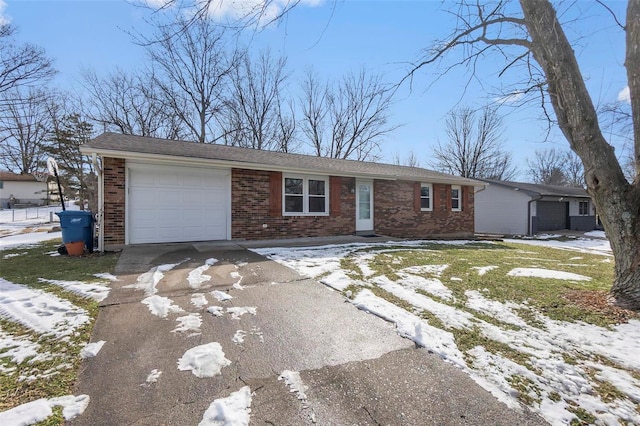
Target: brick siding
[396,216]
[250,210]
[114,202]
[394,210]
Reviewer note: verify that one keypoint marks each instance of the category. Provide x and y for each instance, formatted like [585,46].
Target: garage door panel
[175,204]
[552,215]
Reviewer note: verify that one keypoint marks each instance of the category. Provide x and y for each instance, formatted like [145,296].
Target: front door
[364,205]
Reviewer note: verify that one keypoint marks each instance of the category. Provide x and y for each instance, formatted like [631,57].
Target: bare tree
[130,104]
[475,146]
[253,116]
[348,119]
[244,14]
[21,64]
[192,72]
[24,129]
[409,160]
[534,38]
[548,167]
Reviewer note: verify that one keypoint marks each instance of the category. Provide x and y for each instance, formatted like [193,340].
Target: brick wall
[397,215]
[395,212]
[114,202]
[251,208]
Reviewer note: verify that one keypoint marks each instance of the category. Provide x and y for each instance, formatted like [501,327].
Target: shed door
[177,204]
[552,215]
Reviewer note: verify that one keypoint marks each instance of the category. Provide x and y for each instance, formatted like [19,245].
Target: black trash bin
[77,225]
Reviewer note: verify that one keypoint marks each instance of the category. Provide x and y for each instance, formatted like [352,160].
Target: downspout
[529,230]
[96,164]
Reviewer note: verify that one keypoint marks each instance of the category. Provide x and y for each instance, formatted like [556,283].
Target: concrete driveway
[357,370]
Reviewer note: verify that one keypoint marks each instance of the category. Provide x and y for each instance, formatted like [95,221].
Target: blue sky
[334,38]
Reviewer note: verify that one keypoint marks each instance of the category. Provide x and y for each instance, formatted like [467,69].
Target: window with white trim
[426,191]
[305,196]
[456,196]
[583,208]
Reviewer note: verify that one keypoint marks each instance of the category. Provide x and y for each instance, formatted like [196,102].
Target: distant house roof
[138,147]
[14,177]
[541,190]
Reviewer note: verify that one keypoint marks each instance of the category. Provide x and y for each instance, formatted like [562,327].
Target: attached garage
[177,204]
[552,215]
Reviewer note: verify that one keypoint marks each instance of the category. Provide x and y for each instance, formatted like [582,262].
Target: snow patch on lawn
[204,360]
[409,325]
[482,270]
[95,291]
[18,349]
[546,273]
[430,285]
[40,311]
[436,270]
[233,410]
[41,409]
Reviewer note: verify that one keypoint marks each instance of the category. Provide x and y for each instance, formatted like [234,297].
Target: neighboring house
[155,190]
[26,189]
[513,208]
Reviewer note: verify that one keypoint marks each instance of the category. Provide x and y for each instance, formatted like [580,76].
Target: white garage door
[176,204]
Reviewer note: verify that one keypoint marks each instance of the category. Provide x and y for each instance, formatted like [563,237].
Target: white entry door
[364,205]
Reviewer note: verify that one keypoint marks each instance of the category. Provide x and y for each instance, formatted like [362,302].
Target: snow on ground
[585,245]
[294,382]
[546,273]
[161,306]
[40,311]
[221,296]
[204,360]
[482,270]
[558,354]
[189,323]
[39,410]
[150,279]
[17,349]
[197,277]
[199,300]
[91,349]
[95,291]
[233,410]
[153,377]
[237,311]
[27,239]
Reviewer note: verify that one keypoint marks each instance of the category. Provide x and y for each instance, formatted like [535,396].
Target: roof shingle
[122,146]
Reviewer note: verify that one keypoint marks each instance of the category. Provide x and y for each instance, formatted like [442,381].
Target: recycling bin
[77,225]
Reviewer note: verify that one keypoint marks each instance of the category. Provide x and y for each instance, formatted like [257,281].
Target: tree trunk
[617,201]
